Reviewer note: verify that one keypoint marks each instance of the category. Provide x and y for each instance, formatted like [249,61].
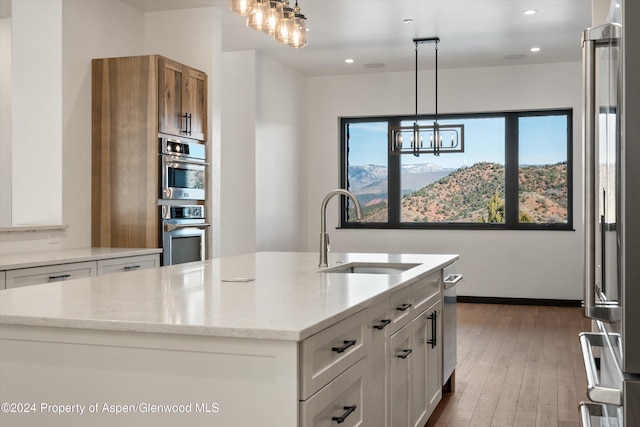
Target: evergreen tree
[495,209]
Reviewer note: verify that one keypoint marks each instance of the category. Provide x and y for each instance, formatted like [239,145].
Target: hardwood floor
[517,366]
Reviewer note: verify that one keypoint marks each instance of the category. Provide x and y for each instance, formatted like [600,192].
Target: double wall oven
[181,199]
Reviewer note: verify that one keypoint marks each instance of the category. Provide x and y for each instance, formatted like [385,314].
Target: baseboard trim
[520,301]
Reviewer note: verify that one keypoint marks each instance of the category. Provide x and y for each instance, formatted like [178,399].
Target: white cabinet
[339,402]
[61,271]
[434,356]
[399,377]
[49,274]
[378,321]
[414,357]
[331,351]
[408,374]
[114,265]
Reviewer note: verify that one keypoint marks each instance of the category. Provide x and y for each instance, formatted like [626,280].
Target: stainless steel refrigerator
[611,117]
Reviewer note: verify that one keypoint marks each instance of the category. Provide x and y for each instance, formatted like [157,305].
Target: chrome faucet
[324,236]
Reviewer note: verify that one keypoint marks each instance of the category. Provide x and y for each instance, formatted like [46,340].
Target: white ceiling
[473,33]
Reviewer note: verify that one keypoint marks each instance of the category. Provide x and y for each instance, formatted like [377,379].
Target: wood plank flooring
[517,366]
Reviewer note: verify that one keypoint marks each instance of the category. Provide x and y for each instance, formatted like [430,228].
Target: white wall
[238,154]
[517,264]
[281,140]
[87,29]
[263,155]
[36,60]
[5,122]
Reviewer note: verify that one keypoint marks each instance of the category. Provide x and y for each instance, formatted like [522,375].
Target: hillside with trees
[476,194]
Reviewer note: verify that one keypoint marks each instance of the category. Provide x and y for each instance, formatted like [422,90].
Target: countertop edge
[61,259]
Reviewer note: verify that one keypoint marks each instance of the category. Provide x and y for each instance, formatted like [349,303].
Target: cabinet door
[434,356]
[419,326]
[171,80]
[2,284]
[339,402]
[49,274]
[400,377]
[376,394]
[195,104]
[331,351]
[126,264]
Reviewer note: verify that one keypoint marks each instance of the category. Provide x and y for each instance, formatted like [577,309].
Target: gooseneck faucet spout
[324,236]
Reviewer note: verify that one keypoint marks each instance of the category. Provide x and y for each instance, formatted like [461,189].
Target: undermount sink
[370,268]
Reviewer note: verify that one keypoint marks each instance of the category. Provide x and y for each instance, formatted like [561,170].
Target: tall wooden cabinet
[133,100]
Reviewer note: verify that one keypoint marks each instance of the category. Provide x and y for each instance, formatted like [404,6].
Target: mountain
[363,175]
[372,179]
[461,196]
[465,194]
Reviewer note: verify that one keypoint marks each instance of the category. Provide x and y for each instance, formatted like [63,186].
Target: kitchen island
[259,339]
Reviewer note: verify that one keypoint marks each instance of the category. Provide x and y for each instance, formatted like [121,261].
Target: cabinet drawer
[342,397]
[328,353]
[400,309]
[49,274]
[425,291]
[133,263]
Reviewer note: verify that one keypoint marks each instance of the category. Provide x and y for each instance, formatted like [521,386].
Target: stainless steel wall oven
[182,170]
[184,229]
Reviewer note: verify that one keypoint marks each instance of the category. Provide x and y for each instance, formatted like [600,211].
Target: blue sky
[542,141]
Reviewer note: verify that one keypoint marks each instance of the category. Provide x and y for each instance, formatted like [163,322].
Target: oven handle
[172,227]
[174,159]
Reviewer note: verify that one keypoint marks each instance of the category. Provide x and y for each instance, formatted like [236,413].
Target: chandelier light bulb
[243,7]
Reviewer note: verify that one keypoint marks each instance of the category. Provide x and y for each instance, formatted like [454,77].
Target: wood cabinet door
[195,104]
[171,79]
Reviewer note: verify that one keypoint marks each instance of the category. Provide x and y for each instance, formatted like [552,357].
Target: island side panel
[160,379]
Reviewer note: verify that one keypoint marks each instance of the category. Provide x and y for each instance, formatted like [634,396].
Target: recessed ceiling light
[529,12]
[408,21]
[349,61]
[535,49]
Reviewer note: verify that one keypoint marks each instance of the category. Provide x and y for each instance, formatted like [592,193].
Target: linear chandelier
[274,17]
[441,138]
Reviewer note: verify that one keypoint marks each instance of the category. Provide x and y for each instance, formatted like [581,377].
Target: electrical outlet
[54,240]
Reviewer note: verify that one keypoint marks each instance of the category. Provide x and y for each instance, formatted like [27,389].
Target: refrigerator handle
[591,39]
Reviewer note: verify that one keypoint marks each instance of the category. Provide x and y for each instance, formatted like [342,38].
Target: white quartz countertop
[265,295]
[65,256]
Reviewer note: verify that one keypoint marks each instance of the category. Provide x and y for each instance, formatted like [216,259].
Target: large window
[514,173]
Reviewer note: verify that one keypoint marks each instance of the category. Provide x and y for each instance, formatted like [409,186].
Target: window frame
[511,174]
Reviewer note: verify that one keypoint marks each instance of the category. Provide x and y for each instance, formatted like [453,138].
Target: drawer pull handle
[131,267]
[403,307]
[344,416]
[405,353]
[346,345]
[434,329]
[382,325]
[62,276]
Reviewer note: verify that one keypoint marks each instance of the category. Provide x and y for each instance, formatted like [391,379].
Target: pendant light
[299,35]
[285,30]
[243,7]
[442,138]
[274,17]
